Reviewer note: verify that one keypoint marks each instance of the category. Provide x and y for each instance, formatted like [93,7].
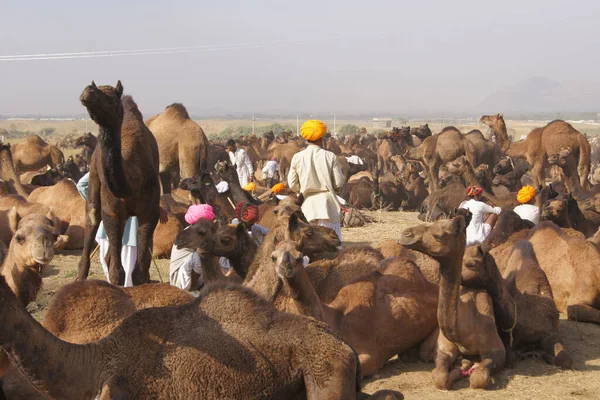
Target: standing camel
[182,144]
[123,180]
[542,142]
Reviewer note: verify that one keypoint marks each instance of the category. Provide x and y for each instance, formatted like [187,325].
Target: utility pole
[253,119]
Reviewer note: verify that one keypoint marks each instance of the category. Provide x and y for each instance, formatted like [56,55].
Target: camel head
[86,140]
[442,239]
[458,166]
[475,264]
[103,103]
[492,120]
[554,209]
[287,259]
[504,166]
[421,132]
[482,173]
[227,239]
[314,239]
[197,236]
[509,180]
[33,242]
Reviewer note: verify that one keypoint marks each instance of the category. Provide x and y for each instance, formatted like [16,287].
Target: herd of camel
[273,328]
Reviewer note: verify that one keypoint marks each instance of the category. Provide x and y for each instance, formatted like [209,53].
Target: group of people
[484,216]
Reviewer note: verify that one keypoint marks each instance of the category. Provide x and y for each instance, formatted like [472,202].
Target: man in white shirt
[527,209]
[316,174]
[269,170]
[240,160]
[484,216]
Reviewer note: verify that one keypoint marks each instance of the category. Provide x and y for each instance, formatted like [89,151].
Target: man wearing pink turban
[184,268]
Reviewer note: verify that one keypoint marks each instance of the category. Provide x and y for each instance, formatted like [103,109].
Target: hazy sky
[397,56]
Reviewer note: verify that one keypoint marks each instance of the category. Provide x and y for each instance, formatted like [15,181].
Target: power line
[163,50]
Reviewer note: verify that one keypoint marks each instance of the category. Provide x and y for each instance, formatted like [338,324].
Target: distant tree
[348,130]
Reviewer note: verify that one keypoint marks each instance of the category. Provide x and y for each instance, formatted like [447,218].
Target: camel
[34,153]
[23,208]
[123,180]
[229,174]
[488,152]
[438,149]
[428,266]
[396,299]
[30,250]
[182,144]
[523,303]
[69,207]
[540,143]
[88,142]
[465,316]
[9,174]
[69,169]
[242,354]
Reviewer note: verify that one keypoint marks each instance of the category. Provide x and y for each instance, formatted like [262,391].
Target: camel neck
[112,160]
[450,276]
[261,277]
[211,270]
[24,282]
[57,368]
[504,304]
[303,293]
[9,173]
[244,256]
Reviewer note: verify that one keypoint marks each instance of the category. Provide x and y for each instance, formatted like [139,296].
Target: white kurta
[478,230]
[528,212]
[270,168]
[316,174]
[242,164]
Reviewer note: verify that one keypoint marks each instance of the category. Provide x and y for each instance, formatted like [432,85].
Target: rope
[510,331]
[155,265]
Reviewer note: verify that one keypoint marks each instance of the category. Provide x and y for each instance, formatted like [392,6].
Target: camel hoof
[480,378]
[563,360]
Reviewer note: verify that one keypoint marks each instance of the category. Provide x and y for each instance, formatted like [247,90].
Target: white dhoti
[128,259]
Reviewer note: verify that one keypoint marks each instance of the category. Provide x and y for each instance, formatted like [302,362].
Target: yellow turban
[278,188]
[313,130]
[525,194]
[249,187]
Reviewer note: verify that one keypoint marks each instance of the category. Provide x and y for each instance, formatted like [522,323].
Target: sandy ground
[528,379]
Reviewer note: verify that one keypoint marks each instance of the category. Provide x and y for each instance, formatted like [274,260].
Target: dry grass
[528,379]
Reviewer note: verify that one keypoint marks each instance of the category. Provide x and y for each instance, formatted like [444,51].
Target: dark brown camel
[123,180]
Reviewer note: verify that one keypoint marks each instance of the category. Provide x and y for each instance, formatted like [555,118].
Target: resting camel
[523,303]
[540,143]
[9,174]
[23,208]
[30,250]
[123,180]
[182,144]
[203,350]
[465,316]
[34,153]
[396,299]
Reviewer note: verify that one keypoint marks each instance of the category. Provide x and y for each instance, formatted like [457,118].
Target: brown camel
[488,152]
[123,180]
[23,208]
[88,143]
[9,174]
[438,149]
[523,303]
[465,316]
[69,207]
[30,250]
[182,144]
[540,143]
[34,153]
[246,354]
[430,268]
[396,299]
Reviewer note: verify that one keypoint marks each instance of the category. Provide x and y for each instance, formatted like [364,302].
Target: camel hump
[35,140]
[524,249]
[177,110]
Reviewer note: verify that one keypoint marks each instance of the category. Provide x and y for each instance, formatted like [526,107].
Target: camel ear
[501,115]
[240,230]
[13,219]
[94,85]
[458,225]
[119,88]
[482,250]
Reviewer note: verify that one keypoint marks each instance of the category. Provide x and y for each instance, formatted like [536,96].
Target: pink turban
[198,211]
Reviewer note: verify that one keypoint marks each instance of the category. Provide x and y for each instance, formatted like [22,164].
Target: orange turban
[474,190]
[526,194]
[249,187]
[313,130]
[278,188]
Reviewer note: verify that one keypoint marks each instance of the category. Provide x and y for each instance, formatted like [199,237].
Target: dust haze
[380,57]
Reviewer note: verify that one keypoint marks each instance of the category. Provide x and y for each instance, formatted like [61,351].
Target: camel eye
[20,239]
[274,258]
[226,241]
[437,237]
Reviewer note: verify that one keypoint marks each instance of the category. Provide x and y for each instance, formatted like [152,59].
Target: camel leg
[368,365]
[92,222]
[141,272]
[556,352]
[443,375]
[490,362]
[537,175]
[583,313]
[334,386]
[114,225]
[165,181]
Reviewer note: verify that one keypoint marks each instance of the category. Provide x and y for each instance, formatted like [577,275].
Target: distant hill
[542,95]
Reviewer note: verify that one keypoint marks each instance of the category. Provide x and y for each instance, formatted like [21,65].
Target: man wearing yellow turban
[527,209]
[316,174]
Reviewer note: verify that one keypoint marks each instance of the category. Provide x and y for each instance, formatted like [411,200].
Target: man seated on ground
[484,216]
[185,267]
[527,208]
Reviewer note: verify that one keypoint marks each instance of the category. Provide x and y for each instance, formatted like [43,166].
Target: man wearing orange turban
[527,209]
[316,174]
